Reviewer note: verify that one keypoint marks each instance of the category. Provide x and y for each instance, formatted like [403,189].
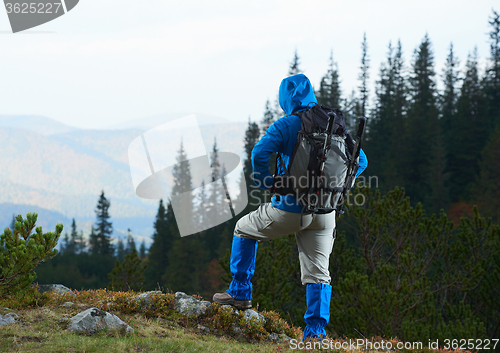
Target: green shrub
[21,251]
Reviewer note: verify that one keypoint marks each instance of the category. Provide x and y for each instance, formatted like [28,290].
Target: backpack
[324,162]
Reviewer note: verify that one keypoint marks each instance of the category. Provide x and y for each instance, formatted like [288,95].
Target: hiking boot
[224,298]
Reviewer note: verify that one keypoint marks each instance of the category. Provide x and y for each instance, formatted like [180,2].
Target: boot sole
[238,304]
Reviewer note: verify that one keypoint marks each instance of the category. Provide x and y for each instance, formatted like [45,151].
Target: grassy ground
[43,321]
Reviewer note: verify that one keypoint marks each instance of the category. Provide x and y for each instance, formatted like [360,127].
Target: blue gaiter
[243,254]
[318,298]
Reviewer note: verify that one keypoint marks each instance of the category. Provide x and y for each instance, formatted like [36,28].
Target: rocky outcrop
[56,288]
[190,306]
[93,320]
[145,300]
[7,319]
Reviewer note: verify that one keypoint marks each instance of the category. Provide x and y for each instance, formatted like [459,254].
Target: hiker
[283,216]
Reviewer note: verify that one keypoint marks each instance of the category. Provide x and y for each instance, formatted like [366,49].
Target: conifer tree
[487,190]
[162,242]
[128,275]
[187,255]
[329,93]
[142,251]
[423,128]
[120,250]
[363,78]
[491,82]
[464,152]
[130,243]
[449,97]
[387,123]
[295,65]
[269,117]
[103,228]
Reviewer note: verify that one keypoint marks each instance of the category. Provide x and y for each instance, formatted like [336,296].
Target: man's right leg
[265,223]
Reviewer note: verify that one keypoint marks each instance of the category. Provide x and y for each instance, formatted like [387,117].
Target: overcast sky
[106,62]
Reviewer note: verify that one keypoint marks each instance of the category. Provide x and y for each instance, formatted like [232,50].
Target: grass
[158,328]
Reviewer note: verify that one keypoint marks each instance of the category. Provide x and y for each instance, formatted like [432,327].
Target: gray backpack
[324,162]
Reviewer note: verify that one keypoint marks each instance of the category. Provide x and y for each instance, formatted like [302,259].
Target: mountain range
[59,171]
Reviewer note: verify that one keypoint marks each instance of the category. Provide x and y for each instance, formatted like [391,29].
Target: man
[283,216]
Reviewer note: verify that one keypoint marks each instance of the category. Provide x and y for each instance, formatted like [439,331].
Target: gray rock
[68,304]
[144,300]
[251,314]
[229,307]
[274,337]
[92,320]
[7,319]
[237,330]
[57,288]
[188,305]
[203,328]
[4,308]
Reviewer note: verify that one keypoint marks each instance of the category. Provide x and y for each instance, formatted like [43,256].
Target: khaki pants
[314,237]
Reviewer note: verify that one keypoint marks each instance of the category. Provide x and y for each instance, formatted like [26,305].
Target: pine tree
[142,251]
[487,190]
[423,128]
[130,243]
[294,65]
[364,77]
[120,250]
[182,188]
[491,82]
[128,275]
[269,117]
[449,97]
[252,135]
[162,242]
[329,93]
[464,152]
[387,125]
[103,228]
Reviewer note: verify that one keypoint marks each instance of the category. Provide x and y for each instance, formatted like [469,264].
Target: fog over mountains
[59,171]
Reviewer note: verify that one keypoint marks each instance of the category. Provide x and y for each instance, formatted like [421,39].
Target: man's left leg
[263,224]
[315,245]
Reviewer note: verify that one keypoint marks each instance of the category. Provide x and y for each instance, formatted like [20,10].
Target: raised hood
[296,94]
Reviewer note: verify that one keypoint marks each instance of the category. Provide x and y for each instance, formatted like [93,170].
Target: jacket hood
[296,93]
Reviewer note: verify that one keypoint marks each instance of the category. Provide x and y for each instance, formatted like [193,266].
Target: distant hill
[64,172]
[39,124]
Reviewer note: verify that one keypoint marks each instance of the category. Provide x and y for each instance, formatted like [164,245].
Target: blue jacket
[295,95]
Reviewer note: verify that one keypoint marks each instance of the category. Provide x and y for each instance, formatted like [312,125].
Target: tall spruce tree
[468,134]
[491,82]
[101,239]
[385,136]
[423,131]
[142,251]
[187,255]
[363,78]
[130,243]
[268,118]
[449,96]
[487,189]
[162,243]
[295,65]
[329,93]
[120,251]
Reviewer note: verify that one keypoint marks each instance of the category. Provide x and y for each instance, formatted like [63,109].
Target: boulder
[251,314]
[7,319]
[190,306]
[67,304]
[144,300]
[56,288]
[92,320]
